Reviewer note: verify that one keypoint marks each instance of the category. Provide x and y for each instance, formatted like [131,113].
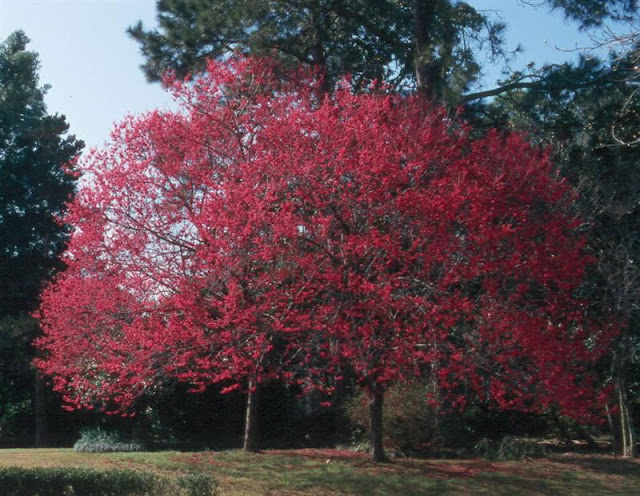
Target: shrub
[96,440]
[508,448]
[409,422]
[91,482]
[198,484]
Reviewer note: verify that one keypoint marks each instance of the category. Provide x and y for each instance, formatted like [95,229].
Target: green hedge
[91,482]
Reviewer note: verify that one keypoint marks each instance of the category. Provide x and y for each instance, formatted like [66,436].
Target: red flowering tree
[263,230]
[422,251]
[170,262]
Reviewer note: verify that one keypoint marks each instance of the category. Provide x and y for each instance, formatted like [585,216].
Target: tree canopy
[259,233]
[434,45]
[365,39]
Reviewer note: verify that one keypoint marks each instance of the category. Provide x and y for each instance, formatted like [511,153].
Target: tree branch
[503,89]
[520,85]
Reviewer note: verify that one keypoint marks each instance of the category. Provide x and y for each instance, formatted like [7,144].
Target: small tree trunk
[39,410]
[376,403]
[624,441]
[251,419]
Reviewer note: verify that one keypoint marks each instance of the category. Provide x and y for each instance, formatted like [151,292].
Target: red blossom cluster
[268,231]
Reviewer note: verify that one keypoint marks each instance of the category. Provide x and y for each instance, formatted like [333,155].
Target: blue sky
[93,66]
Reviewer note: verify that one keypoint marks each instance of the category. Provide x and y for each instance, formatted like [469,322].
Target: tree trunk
[427,69]
[421,20]
[318,55]
[251,419]
[39,410]
[624,439]
[376,403]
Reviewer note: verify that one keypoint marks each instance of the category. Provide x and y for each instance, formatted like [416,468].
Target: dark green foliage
[34,188]
[459,431]
[591,13]
[366,39]
[97,440]
[429,44]
[89,482]
[175,418]
[363,38]
[16,379]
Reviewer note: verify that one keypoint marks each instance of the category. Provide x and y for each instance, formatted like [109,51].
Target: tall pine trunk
[376,427]
[423,12]
[428,69]
[250,442]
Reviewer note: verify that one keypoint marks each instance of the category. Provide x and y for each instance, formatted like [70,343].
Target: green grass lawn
[320,472]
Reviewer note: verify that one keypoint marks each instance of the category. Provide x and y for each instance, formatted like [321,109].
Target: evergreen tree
[431,45]
[34,189]
[367,39]
[34,186]
[590,13]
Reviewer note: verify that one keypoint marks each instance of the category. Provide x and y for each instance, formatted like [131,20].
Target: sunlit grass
[326,472]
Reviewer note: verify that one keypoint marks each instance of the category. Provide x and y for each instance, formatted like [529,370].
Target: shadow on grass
[501,483]
[323,472]
[608,466]
[354,483]
[363,484]
[280,473]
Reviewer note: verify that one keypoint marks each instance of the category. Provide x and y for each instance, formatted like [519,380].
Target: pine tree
[34,190]
[34,187]
[435,46]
